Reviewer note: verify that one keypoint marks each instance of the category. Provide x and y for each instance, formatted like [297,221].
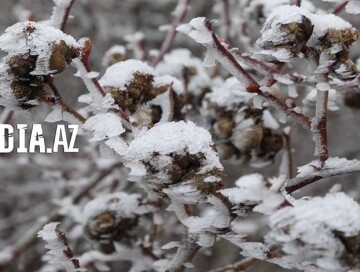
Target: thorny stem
[66,15]
[318,126]
[239,266]
[29,239]
[61,102]
[340,7]
[171,33]
[229,62]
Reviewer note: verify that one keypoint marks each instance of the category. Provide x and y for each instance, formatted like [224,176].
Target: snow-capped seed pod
[286,32]
[175,154]
[112,217]
[130,83]
[115,54]
[320,232]
[52,48]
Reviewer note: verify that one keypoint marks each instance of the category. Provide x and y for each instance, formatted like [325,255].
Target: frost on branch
[59,256]
[112,217]
[238,127]
[290,32]
[319,234]
[34,50]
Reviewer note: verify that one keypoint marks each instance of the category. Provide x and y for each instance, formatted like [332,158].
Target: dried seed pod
[172,155]
[61,56]
[22,65]
[129,83]
[286,32]
[112,217]
[28,93]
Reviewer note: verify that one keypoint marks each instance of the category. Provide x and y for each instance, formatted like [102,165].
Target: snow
[229,95]
[119,75]
[174,137]
[104,126]
[58,13]
[353,7]
[116,49]
[168,80]
[314,223]
[196,30]
[7,98]
[122,204]
[37,39]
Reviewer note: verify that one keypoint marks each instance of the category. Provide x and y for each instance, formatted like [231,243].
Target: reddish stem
[340,7]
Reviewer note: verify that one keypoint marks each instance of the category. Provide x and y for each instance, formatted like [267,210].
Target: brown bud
[22,65]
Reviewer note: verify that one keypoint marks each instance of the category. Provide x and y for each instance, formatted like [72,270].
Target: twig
[181,11]
[29,238]
[58,99]
[6,116]
[66,15]
[239,266]
[286,166]
[227,20]
[302,181]
[67,252]
[298,3]
[229,62]
[340,7]
[318,126]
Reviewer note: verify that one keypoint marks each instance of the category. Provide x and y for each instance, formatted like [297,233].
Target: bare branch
[298,3]
[340,7]
[6,116]
[181,11]
[227,20]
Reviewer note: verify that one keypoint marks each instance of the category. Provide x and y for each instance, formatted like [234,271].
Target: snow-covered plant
[164,179]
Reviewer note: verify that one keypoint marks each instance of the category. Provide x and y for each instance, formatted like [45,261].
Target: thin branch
[66,15]
[302,181]
[6,116]
[227,20]
[298,3]
[239,266]
[340,7]
[61,102]
[318,126]
[286,166]
[181,11]
[233,67]
[30,237]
